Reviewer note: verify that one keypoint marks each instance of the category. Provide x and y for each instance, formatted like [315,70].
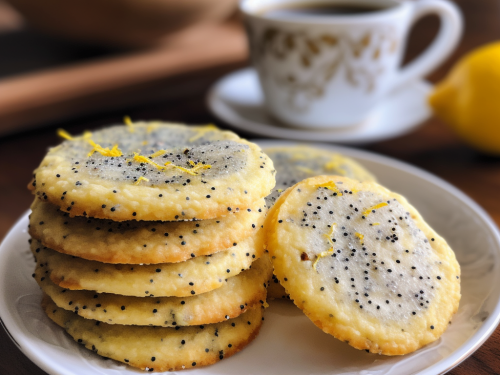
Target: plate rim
[223,112]
[22,342]
[474,342]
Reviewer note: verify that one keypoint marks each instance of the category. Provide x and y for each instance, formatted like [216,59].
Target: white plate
[237,99]
[289,343]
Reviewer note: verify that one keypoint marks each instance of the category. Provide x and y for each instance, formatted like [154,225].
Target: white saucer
[238,100]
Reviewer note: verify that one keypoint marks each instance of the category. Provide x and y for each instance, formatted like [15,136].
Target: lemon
[468,99]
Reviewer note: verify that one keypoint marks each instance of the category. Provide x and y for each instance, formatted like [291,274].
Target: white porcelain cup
[324,71]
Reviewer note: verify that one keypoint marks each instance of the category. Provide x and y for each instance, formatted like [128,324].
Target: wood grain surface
[115,81]
[432,147]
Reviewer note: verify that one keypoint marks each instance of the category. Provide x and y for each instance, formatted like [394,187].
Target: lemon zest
[331,186]
[141,179]
[279,190]
[200,166]
[305,169]
[359,235]
[143,159]
[194,170]
[327,252]
[115,151]
[188,171]
[329,235]
[375,224]
[202,131]
[151,127]
[158,153]
[129,123]
[335,164]
[322,255]
[64,134]
[369,210]
[144,143]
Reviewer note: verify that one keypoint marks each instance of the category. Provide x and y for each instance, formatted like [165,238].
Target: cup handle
[448,37]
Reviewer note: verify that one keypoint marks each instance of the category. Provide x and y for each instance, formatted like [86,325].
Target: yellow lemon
[468,99]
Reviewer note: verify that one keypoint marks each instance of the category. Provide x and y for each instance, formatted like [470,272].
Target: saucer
[237,99]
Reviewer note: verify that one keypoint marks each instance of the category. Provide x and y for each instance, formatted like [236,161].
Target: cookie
[275,290]
[298,162]
[135,242]
[154,171]
[160,348]
[242,292]
[362,264]
[191,277]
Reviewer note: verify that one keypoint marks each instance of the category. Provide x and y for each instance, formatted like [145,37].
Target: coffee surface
[321,9]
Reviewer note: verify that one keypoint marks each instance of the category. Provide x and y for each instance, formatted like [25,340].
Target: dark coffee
[322,9]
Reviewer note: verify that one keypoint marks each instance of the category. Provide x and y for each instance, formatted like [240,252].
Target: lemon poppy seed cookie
[242,292]
[160,348]
[296,163]
[362,264]
[134,242]
[194,276]
[275,289]
[154,171]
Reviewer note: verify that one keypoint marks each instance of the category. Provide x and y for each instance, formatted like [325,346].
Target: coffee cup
[328,63]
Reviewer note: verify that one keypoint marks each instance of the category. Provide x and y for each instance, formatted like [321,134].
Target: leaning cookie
[160,348]
[134,242]
[362,264]
[297,162]
[240,293]
[154,171]
[275,290]
[194,276]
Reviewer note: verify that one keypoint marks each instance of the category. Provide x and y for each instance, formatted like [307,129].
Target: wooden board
[55,94]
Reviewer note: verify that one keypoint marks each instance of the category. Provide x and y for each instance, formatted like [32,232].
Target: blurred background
[60,60]
[83,64]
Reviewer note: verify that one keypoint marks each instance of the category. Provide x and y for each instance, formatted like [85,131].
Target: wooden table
[432,147]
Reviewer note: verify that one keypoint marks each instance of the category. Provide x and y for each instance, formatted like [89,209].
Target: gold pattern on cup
[279,44]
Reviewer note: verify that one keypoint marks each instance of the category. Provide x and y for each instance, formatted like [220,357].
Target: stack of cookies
[151,234]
